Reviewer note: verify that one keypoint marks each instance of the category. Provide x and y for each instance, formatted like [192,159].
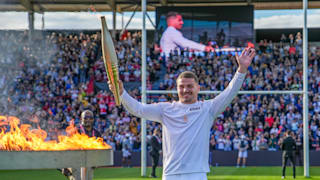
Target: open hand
[245,59]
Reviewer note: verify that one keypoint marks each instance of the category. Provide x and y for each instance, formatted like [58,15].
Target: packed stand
[49,81]
[54,83]
[261,119]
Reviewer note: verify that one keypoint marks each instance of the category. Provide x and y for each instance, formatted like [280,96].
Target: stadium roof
[130,5]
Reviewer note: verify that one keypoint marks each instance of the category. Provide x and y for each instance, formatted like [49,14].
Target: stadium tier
[49,82]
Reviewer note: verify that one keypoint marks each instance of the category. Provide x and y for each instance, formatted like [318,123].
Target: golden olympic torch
[110,59]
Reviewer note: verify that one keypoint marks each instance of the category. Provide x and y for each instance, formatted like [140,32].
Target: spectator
[221,142]
[255,144]
[212,147]
[227,144]
[52,74]
[126,156]
[155,143]
[236,142]
[273,142]
[298,152]
[243,153]
[263,143]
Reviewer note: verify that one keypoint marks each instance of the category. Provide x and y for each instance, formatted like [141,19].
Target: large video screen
[222,25]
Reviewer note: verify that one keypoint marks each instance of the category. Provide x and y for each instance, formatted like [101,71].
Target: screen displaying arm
[186,43]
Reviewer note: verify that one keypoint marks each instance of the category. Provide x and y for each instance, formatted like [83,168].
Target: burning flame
[23,139]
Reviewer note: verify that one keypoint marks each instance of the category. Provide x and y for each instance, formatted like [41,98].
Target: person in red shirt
[292,50]
[269,119]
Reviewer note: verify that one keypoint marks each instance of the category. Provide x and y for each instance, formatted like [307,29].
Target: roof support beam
[30,7]
[114,17]
[111,3]
[125,8]
[31,26]
[132,15]
[164,2]
[284,5]
[154,26]
[27,4]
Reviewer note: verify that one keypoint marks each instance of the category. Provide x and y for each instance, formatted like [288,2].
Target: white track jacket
[185,127]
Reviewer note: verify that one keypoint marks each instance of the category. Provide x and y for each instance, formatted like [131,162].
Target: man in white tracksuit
[186,123]
[172,38]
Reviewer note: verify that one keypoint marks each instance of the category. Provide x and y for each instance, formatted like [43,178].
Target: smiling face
[188,90]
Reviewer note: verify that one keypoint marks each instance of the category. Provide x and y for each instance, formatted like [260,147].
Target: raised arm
[220,102]
[186,43]
[148,111]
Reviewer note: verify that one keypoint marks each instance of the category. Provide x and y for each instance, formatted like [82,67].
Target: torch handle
[110,60]
[113,74]
[116,84]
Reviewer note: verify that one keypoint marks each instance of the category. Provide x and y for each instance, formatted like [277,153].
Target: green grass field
[217,173]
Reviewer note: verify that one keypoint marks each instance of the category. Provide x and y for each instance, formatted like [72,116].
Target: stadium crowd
[48,83]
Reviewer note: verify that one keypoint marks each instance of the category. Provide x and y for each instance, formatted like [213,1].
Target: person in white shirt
[221,142]
[172,38]
[126,156]
[186,123]
[243,151]
[236,141]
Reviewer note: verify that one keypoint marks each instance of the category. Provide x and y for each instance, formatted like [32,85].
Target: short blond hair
[188,74]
